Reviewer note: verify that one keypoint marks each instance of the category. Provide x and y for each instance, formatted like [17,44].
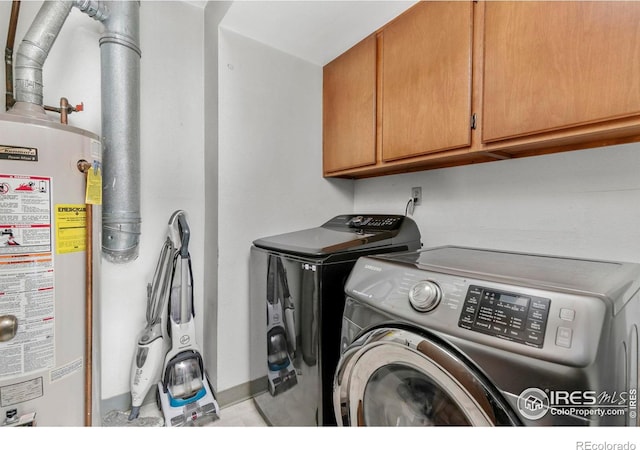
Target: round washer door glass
[399,395]
[393,377]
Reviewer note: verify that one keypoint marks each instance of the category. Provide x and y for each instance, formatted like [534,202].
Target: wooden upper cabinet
[349,108]
[425,79]
[557,65]
[537,76]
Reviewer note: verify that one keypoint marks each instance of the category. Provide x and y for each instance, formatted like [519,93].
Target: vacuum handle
[185,233]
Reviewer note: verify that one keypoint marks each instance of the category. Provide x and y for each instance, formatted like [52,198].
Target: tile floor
[242,414]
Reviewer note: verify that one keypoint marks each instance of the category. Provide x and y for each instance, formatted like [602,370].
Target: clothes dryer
[464,336]
[296,289]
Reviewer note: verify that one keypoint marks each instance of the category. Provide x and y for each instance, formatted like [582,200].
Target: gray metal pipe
[34,49]
[95,10]
[120,76]
[120,69]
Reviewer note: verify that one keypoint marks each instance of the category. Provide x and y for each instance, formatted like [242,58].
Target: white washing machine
[463,336]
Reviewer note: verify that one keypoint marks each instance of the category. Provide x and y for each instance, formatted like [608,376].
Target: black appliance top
[346,233]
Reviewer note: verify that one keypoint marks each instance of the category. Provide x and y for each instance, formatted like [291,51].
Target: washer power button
[563,337]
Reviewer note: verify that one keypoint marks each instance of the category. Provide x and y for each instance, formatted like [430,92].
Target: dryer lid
[345,233]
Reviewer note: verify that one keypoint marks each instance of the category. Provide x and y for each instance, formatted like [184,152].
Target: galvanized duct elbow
[120,69]
[95,9]
[34,49]
[120,76]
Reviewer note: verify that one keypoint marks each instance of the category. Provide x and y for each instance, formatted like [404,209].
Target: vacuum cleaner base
[198,412]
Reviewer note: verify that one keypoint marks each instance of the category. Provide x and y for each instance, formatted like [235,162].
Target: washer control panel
[508,315]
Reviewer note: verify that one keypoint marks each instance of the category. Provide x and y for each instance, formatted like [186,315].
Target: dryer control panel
[371,222]
[508,315]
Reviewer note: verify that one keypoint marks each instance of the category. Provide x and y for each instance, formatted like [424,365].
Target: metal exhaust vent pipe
[120,69]
[34,49]
[120,76]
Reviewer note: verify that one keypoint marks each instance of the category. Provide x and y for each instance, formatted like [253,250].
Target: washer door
[393,377]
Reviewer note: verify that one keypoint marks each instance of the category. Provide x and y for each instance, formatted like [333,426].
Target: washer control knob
[424,296]
[356,221]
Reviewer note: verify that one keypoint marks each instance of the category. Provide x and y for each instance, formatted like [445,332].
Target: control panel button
[537,314]
[563,337]
[473,300]
[425,296]
[539,304]
[535,325]
[516,323]
[470,309]
[533,337]
[515,334]
[567,314]
[466,318]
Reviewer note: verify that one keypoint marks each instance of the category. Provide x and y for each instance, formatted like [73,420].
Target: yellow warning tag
[71,228]
[93,195]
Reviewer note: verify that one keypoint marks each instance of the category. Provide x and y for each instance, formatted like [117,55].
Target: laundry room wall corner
[270,180]
[213,14]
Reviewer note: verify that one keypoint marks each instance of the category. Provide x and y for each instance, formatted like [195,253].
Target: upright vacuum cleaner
[153,341]
[184,394]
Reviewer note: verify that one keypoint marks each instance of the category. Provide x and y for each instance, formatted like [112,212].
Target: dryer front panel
[394,377]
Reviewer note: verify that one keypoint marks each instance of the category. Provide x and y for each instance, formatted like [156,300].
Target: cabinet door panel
[349,108]
[555,65]
[426,80]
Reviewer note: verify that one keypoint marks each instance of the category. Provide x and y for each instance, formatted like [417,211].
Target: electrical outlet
[416,195]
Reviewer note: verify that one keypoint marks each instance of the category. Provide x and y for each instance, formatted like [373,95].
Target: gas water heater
[46,262]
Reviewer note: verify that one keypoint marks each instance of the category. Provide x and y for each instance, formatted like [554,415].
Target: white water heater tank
[43,270]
